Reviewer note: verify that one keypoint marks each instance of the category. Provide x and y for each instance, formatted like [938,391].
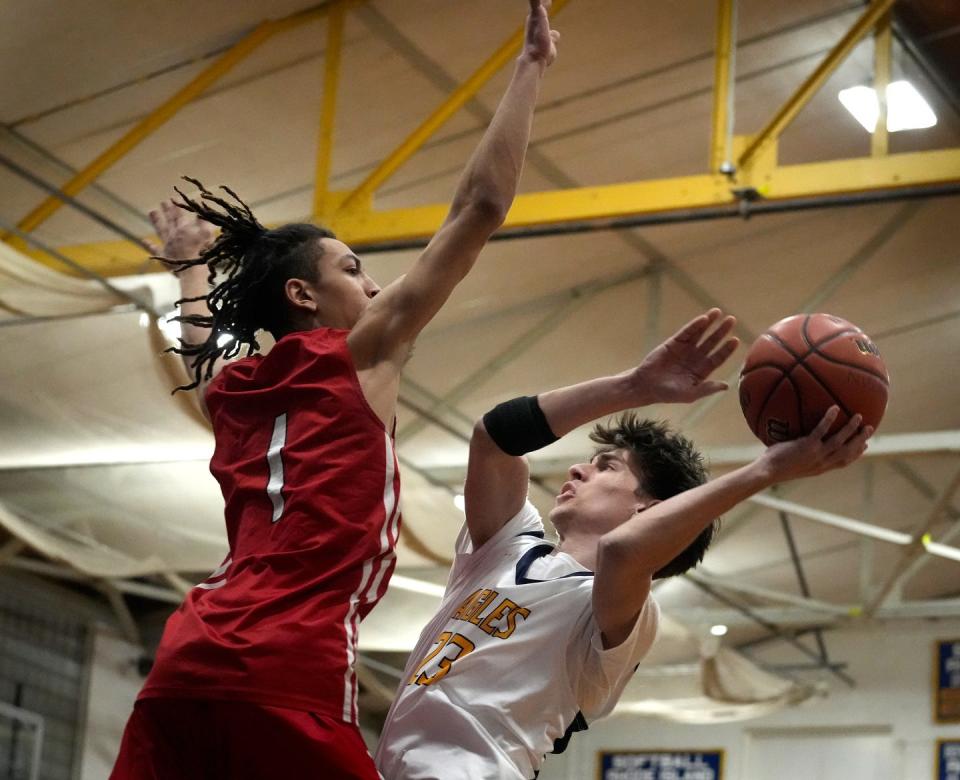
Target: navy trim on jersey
[538,534]
[579,724]
[533,554]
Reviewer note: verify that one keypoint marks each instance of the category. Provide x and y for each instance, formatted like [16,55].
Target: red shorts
[186,739]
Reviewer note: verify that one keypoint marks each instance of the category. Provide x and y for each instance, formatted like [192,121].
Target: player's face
[598,495]
[344,290]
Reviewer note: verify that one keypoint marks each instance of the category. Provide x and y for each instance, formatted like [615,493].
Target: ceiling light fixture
[943,550]
[906,108]
[718,630]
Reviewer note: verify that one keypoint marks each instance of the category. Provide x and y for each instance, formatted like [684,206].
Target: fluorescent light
[943,550]
[829,518]
[906,108]
[718,630]
[417,586]
[459,502]
[862,103]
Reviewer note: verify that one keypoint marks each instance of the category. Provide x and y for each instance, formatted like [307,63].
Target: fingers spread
[824,425]
[718,335]
[848,431]
[721,356]
[693,331]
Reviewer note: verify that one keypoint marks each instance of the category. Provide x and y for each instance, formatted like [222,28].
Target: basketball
[802,366]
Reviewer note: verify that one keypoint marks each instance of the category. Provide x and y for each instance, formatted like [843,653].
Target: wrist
[528,61]
[194,273]
[636,385]
[761,474]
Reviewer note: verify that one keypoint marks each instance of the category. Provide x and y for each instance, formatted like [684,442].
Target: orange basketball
[801,367]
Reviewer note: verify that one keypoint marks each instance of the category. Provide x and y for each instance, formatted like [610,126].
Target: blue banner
[661,765]
[948,759]
[947,679]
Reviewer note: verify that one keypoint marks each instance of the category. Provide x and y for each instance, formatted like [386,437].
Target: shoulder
[524,525]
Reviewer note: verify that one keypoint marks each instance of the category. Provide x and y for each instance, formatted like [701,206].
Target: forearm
[567,408]
[194,284]
[655,536]
[492,175]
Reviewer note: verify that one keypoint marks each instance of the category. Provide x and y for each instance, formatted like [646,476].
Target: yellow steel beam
[835,177]
[363,194]
[862,174]
[874,12]
[160,115]
[882,58]
[331,74]
[722,86]
[545,208]
[165,111]
[611,201]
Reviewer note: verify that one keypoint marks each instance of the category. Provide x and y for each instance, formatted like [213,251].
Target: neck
[582,549]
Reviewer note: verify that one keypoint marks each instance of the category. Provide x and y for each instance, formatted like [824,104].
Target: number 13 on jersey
[449,648]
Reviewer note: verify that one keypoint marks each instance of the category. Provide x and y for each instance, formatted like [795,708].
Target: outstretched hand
[184,235]
[540,42]
[817,452]
[677,371]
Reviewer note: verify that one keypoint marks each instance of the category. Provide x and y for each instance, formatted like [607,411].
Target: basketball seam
[815,349]
[849,365]
[800,360]
[756,425]
[796,394]
[775,338]
[825,340]
[826,388]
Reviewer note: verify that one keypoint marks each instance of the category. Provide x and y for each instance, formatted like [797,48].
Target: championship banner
[946,682]
[660,765]
[948,759]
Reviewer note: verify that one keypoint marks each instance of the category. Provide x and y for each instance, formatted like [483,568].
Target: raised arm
[483,197]
[184,236]
[677,371]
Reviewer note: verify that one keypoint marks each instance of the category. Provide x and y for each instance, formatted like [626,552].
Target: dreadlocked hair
[668,464]
[253,264]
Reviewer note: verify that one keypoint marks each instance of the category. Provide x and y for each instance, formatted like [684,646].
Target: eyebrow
[607,456]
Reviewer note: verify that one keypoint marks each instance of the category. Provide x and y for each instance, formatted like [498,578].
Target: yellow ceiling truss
[740,166]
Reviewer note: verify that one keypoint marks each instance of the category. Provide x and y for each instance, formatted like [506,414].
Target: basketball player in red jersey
[254,674]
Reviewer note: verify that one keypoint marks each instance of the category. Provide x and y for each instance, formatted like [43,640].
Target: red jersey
[310,480]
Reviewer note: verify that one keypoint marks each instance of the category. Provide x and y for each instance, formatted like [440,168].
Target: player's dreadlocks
[254,263]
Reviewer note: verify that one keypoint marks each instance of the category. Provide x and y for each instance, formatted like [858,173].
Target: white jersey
[509,667]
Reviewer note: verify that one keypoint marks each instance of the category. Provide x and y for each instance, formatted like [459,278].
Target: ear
[302,295]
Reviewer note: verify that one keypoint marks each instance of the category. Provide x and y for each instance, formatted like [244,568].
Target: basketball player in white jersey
[535,640]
